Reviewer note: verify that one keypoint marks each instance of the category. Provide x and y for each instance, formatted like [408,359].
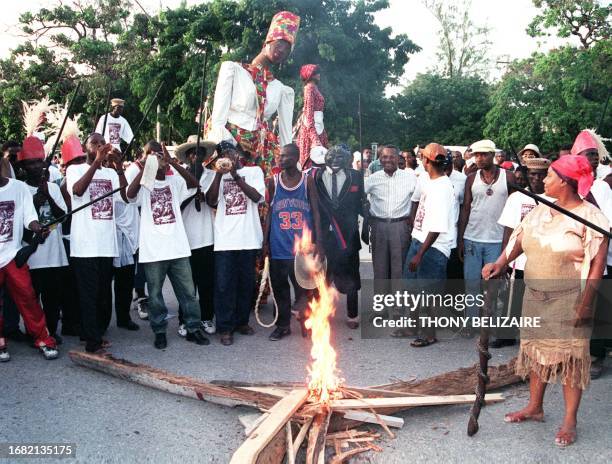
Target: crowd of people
[209,215]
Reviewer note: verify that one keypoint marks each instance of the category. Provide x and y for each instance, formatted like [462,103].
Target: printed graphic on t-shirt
[44,213]
[114,133]
[102,209]
[526,209]
[235,199]
[7,216]
[161,206]
[420,214]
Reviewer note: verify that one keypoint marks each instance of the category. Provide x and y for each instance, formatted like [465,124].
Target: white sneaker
[182,330]
[4,355]
[49,353]
[209,327]
[141,307]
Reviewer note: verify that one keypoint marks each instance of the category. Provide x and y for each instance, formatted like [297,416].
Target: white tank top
[488,202]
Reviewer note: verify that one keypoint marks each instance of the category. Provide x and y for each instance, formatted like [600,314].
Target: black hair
[10,144]
[293,148]
[391,147]
[153,145]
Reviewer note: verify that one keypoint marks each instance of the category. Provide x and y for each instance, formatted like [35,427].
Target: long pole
[25,252]
[197,204]
[126,153]
[360,140]
[108,96]
[59,134]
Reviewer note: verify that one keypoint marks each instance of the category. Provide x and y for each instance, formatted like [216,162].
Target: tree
[588,20]
[548,98]
[446,110]
[463,45]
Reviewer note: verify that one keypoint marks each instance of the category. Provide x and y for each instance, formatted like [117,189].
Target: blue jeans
[234,288]
[433,264]
[476,255]
[179,272]
[432,270]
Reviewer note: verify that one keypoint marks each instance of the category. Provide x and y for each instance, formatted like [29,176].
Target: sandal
[565,437]
[422,342]
[518,417]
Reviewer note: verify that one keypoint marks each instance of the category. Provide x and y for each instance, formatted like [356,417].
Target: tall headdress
[284,26]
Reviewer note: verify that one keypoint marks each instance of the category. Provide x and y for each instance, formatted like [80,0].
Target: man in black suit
[340,195]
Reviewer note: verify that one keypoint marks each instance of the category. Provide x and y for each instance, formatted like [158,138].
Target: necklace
[489,190]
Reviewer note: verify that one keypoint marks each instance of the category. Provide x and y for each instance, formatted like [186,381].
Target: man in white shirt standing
[164,248]
[518,205]
[93,237]
[434,231]
[235,192]
[117,128]
[389,191]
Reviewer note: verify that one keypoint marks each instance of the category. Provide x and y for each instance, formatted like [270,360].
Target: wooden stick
[280,413]
[300,436]
[363,416]
[410,401]
[176,384]
[290,452]
[316,438]
[340,458]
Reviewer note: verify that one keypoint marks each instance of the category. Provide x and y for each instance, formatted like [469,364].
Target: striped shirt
[389,195]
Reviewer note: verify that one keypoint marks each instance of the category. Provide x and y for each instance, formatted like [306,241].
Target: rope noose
[265,279]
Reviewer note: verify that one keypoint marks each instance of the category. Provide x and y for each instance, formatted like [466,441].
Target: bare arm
[268,222]
[464,215]
[249,191]
[212,196]
[134,188]
[584,311]
[492,270]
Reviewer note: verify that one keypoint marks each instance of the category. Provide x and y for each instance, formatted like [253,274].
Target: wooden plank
[279,414]
[363,416]
[297,443]
[315,452]
[409,401]
[251,421]
[175,384]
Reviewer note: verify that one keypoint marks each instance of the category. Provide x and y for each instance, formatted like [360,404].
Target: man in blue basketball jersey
[293,209]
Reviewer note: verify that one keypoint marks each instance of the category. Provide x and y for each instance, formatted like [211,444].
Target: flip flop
[566,437]
[517,418]
[422,342]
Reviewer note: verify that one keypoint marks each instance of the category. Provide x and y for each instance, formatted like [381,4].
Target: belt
[388,220]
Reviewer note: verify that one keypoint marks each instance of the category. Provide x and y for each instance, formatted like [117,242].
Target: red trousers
[18,283]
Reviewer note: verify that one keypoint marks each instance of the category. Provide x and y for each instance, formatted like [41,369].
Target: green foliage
[548,99]
[436,108]
[589,20]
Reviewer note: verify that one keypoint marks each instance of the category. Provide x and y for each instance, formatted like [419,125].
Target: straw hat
[541,164]
[534,148]
[192,141]
[306,266]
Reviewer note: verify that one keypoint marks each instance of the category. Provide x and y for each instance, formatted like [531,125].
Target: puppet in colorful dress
[312,138]
[248,95]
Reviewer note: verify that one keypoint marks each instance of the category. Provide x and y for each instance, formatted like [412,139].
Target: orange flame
[323,378]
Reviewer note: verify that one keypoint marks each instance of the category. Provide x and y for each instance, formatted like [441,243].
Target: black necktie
[334,187]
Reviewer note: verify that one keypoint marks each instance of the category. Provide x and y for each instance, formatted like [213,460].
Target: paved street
[114,421]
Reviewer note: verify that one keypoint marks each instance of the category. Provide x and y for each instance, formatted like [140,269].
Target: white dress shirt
[390,195]
[327,180]
[236,102]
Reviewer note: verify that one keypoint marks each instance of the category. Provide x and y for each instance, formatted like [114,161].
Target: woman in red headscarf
[311,138]
[565,262]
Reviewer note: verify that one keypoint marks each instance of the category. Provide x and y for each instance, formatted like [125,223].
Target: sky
[506,19]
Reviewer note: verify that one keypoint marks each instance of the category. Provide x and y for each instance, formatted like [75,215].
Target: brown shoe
[227,338]
[244,330]
[352,323]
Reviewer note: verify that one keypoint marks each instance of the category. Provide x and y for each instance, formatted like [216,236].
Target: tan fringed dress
[559,251]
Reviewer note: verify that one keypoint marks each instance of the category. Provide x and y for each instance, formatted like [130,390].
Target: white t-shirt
[93,233]
[458,179]
[518,205]
[603,196]
[117,129]
[54,173]
[16,212]
[162,232]
[437,212]
[51,253]
[199,225]
[237,225]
